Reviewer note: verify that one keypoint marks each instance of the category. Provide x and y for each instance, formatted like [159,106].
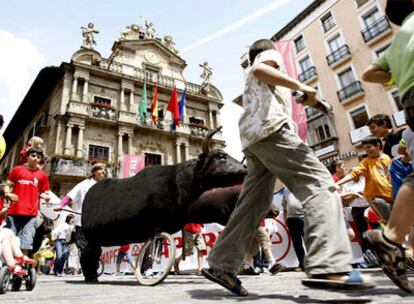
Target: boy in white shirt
[273,150]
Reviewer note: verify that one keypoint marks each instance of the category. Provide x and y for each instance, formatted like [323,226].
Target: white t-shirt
[266,109]
[62,232]
[356,187]
[77,195]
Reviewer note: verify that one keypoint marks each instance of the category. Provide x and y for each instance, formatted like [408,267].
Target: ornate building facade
[87,110]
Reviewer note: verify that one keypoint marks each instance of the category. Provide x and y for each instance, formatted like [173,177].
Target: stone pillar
[85,91]
[122,100]
[120,134]
[58,130]
[74,86]
[210,119]
[218,119]
[131,102]
[130,146]
[68,141]
[79,150]
[178,152]
[186,152]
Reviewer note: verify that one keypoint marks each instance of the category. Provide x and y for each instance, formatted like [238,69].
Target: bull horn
[205,145]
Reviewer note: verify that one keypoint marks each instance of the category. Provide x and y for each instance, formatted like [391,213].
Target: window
[359,117]
[98,153]
[299,44]
[305,64]
[396,98]
[382,50]
[335,43]
[320,130]
[102,101]
[152,159]
[327,22]
[371,17]
[196,122]
[346,78]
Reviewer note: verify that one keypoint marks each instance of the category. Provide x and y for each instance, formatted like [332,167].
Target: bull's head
[215,168]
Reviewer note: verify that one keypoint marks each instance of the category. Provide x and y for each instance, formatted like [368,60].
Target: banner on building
[132,164]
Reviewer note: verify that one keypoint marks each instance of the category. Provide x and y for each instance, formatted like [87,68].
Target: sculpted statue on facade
[149,30]
[206,76]
[169,43]
[131,32]
[88,36]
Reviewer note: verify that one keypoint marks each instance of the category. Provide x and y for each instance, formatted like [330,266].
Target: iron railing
[338,55]
[350,90]
[382,25]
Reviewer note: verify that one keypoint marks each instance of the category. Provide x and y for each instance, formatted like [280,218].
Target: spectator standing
[123,252]
[192,238]
[61,236]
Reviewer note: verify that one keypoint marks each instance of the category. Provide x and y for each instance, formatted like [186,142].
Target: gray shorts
[24,227]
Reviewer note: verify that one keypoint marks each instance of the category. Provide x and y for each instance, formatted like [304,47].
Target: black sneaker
[276,268]
[249,271]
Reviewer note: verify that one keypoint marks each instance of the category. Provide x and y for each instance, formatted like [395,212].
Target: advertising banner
[132,164]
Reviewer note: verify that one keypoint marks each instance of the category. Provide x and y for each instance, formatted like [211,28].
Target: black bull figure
[162,198]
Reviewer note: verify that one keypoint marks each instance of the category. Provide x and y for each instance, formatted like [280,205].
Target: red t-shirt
[123,248]
[27,185]
[193,227]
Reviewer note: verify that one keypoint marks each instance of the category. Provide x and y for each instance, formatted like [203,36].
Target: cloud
[20,61]
[239,23]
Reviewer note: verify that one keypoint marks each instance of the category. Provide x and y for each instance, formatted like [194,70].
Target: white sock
[271,263]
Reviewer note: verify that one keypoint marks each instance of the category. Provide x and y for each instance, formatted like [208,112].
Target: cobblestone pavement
[282,288]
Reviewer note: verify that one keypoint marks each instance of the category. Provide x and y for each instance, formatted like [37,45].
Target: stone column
[74,86]
[120,134]
[122,101]
[131,102]
[130,146]
[218,118]
[68,141]
[210,119]
[79,150]
[58,130]
[178,152]
[85,91]
[186,152]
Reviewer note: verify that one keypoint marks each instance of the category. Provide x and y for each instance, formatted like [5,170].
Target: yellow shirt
[377,177]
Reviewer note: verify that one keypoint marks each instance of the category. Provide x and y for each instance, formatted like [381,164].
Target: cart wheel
[31,279]
[16,283]
[4,279]
[155,260]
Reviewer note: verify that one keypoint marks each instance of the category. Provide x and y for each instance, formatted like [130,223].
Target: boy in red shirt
[28,183]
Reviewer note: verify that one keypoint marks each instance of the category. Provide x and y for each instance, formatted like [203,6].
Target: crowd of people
[378,190]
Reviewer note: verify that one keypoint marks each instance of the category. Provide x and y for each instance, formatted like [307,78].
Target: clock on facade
[152,57]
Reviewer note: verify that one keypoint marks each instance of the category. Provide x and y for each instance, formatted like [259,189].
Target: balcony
[102,112]
[338,56]
[350,92]
[69,166]
[308,75]
[376,30]
[361,2]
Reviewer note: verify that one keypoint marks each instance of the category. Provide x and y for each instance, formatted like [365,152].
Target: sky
[39,33]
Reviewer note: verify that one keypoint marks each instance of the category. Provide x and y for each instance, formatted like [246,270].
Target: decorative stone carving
[169,43]
[132,32]
[149,30]
[88,36]
[206,76]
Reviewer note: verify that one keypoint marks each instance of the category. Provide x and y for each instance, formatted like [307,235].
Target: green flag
[142,108]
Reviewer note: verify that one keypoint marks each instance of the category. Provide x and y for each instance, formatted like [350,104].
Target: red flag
[285,48]
[154,106]
[173,107]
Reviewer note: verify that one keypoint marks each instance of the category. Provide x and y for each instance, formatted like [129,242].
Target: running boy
[273,150]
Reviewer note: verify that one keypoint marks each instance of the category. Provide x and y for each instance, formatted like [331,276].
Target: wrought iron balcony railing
[351,90]
[338,55]
[382,25]
[307,74]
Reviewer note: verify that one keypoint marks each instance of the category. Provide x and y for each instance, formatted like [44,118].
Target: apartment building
[335,40]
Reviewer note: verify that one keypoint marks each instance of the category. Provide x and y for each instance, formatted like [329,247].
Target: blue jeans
[61,248]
